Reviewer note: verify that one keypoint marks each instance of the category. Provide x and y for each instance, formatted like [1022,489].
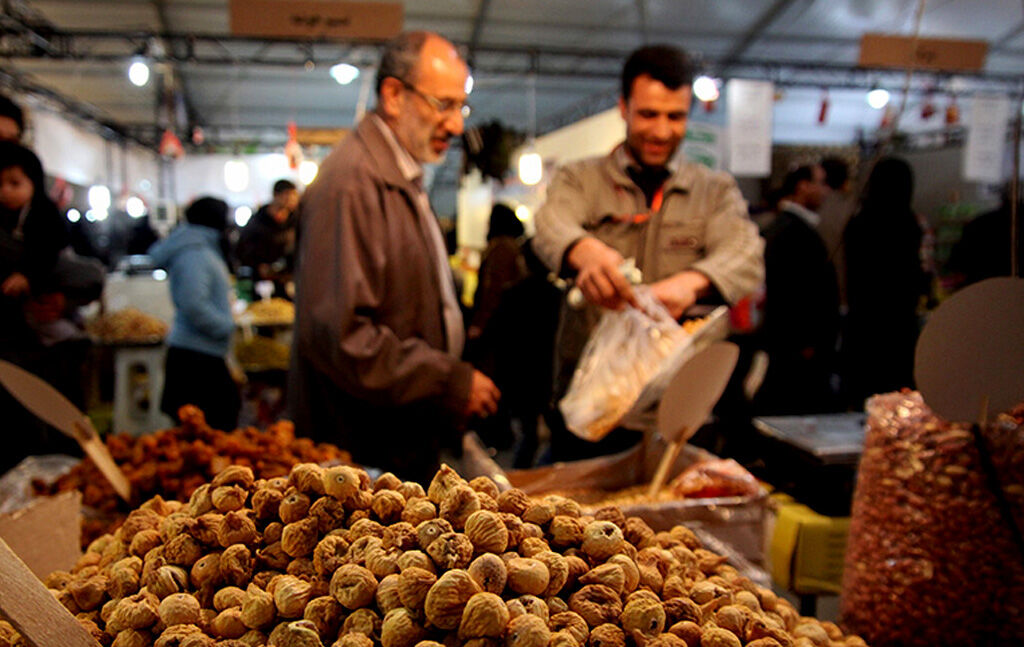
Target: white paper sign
[986,138]
[750,127]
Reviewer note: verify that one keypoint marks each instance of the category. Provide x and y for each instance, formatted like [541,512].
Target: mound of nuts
[328,558]
[173,463]
[931,557]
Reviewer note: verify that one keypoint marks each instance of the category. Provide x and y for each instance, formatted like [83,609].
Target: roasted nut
[667,640]
[363,621]
[418,510]
[642,616]
[813,632]
[237,528]
[489,572]
[387,481]
[566,531]
[361,547]
[183,550]
[556,605]
[204,528]
[558,571]
[414,583]
[300,538]
[513,501]
[765,642]
[400,629]
[447,598]
[444,480]
[485,616]
[135,612]
[716,637]
[258,608]
[597,604]
[571,622]
[382,562]
[290,595]
[294,506]
[411,490]
[601,539]
[562,639]
[178,609]
[527,631]
[388,506]
[206,571]
[451,550]
[227,597]
[387,595]
[353,586]
[329,514]
[132,638]
[308,478]
[325,614]
[236,564]
[486,486]
[226,498]
[526,575]
[329,554]
[361,640]
[300,633]
[530,546]
[400,535]
[166,580]
[610,575]
[532,605]
[90,592]
[145,541]
[539,512]
[272,533]
[416,558]
[228,624]
[682,609]
[234,475]
[609,635]
[637,532]
[459,502]
[266,503]
[487,532]
[273,557]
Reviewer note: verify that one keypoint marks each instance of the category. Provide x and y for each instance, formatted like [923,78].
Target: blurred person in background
[12,120]
[379,333]
[984,249]
[36,332]
[886,279]
[502,266]
[801,311]
[267,242]
[196,371]
[836,209]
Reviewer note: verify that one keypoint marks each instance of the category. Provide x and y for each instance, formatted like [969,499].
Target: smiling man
[375,360]
[686,226]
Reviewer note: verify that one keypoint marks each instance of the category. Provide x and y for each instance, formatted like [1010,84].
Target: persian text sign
[316,19]
[881,50]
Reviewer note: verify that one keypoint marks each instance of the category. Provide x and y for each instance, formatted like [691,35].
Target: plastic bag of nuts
[931,557]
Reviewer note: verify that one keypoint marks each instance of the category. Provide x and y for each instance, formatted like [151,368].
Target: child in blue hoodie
[196,370]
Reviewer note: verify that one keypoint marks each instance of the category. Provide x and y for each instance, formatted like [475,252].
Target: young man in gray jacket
[686,226]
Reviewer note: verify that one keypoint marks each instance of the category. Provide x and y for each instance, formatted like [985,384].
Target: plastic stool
[137,411]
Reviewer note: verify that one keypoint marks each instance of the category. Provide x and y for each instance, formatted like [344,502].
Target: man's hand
[599,278]
[680,291]
[15,285]
[483,396]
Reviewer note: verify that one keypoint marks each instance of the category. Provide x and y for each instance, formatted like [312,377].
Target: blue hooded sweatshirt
[199,287]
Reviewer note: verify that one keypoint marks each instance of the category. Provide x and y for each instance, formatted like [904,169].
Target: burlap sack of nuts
[325,557]
[931,558]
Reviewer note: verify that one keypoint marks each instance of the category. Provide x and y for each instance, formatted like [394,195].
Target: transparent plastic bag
[16,484]
[627,349]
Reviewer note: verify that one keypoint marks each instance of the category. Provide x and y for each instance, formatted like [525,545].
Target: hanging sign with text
[750,106]
[884,50]
[316,19]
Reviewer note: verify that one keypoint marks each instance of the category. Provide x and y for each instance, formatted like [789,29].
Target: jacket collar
[616,163]
[380,150]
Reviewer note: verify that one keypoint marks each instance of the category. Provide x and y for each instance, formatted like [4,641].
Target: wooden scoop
[49,405]
[688,400]
[32,610]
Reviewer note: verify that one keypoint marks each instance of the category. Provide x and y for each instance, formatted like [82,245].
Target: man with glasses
[375,360]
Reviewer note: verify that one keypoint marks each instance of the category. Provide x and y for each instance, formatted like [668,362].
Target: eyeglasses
[442,106]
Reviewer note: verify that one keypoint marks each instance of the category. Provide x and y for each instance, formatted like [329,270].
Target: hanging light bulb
[99,197]
[138,72]
[135,207]
[531,168]
[242,215]
[74,215]
[307,171]
[236,175]
[344,73]
[469,83]
[878,98]
[705,88]
[523,213]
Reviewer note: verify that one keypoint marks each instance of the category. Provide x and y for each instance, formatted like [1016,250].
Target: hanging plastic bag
[627,349]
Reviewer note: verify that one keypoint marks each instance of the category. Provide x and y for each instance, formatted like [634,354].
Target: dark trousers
[204,381]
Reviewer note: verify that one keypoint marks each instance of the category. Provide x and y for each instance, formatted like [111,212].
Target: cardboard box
[807,549]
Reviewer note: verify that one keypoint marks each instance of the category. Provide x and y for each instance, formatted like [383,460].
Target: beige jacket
[702,225]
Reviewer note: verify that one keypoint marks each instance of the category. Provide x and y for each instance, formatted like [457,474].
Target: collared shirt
[812,219]
[412,171]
